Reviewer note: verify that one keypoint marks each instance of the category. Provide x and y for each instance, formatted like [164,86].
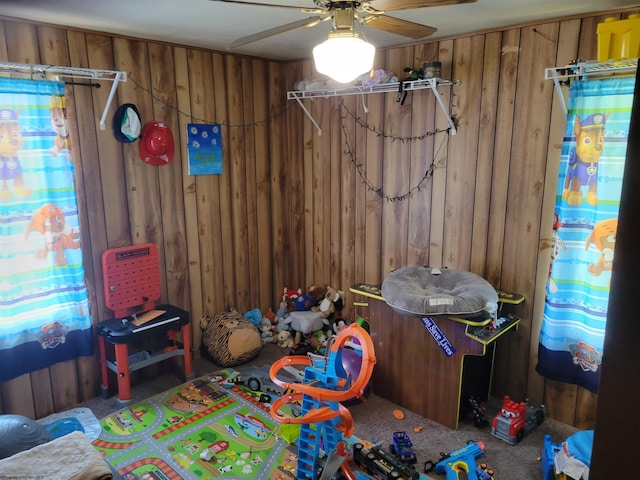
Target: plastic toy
[324,420]
[483,472]
[461,460]
[402,448]
[548,455]
[515,420]
[376,462]
[479,412]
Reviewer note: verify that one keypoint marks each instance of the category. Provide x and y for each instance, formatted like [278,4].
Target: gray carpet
[374,421]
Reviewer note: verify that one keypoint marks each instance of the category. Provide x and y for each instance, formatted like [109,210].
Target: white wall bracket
[430,83]
[563,75]
[46,71]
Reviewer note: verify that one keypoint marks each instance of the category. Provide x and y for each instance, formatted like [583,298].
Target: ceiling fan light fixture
[343,56]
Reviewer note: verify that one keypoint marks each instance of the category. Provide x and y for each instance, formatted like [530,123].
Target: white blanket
[71,457]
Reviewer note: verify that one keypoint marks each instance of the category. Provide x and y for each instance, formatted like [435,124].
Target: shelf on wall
[407,86]
[563,75]
[46,71]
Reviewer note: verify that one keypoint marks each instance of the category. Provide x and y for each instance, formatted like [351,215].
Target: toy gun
[460,460]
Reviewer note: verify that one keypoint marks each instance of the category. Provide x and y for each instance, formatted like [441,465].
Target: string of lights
[373,129]
[194,119]
[428,174]
[343,112]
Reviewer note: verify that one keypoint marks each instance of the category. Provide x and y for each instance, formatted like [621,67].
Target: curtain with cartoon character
[585,222]
[44,308]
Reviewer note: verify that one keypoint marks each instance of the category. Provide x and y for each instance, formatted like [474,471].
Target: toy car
[401,448]
[515,420]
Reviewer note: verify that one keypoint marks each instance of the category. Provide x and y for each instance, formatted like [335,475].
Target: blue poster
[204,148]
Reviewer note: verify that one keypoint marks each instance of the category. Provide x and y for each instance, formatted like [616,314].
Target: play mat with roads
[201,429]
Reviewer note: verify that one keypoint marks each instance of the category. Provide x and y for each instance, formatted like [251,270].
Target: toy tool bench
[433,364]
[131,286]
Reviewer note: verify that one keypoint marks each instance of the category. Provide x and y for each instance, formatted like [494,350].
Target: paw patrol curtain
[585,222]
[44,308]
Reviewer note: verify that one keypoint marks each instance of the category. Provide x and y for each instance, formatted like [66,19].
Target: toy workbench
[132,286]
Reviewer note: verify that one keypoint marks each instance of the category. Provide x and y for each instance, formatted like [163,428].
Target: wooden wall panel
[261,263]
[294,207]
[192,247]
[441,158]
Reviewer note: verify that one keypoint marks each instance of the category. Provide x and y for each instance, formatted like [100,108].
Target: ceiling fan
[371,13]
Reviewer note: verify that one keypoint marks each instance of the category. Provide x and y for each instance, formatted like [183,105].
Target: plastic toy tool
[460,463]
[324,421]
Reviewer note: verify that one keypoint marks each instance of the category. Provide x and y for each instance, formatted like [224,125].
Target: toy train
[381,465]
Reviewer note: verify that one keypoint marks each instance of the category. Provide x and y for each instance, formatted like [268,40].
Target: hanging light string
[358,166]
[388,135]
[257,123]
[341,108]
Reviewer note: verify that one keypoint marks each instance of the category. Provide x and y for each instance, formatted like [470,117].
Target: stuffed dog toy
[583,160]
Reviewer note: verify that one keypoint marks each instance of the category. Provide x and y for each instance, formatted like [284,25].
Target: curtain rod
[43,71]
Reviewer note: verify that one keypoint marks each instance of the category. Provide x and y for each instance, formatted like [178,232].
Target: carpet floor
[374,421]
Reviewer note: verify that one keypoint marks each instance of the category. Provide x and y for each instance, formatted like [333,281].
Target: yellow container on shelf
[619,39]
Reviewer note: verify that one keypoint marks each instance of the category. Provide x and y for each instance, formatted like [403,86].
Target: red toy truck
[515,420]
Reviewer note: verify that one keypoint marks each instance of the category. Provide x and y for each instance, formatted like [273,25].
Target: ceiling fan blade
[397,26]
[305,22]
[395,5]
[255,4]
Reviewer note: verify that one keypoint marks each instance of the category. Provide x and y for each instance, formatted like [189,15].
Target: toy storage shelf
[563,75]
[407,86]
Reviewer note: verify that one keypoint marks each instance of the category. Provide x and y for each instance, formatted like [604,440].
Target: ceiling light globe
[343,58]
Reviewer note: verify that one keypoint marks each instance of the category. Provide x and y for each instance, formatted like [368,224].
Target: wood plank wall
[294,208]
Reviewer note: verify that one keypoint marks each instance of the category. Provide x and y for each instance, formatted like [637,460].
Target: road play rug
[201,429]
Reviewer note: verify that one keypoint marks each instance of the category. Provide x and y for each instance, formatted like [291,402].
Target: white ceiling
[209,24]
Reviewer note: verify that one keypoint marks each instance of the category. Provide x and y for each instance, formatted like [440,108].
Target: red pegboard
[131,278]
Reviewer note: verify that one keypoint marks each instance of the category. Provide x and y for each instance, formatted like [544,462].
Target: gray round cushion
[19,433]
[424,291]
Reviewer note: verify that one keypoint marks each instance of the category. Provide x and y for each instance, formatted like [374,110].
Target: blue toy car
[402,448]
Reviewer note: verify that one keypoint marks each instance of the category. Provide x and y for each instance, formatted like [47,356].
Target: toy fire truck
[515,420]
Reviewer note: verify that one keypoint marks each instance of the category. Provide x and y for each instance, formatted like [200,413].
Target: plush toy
[254,316]
[331,302]
[270,316]
[289,297]
[316,293]
[230,338]
[339,324]
[284,339]
[266,331]
[318,341]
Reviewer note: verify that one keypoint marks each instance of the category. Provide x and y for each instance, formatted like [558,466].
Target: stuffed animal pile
[303,323]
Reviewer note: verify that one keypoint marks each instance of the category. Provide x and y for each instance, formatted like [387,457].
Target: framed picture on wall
[204,149]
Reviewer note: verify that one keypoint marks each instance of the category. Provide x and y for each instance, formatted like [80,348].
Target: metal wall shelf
[427,83]
[47,71]
[563,75]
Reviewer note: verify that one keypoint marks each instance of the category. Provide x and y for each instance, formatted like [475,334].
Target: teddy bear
[284,339]
[331,302]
